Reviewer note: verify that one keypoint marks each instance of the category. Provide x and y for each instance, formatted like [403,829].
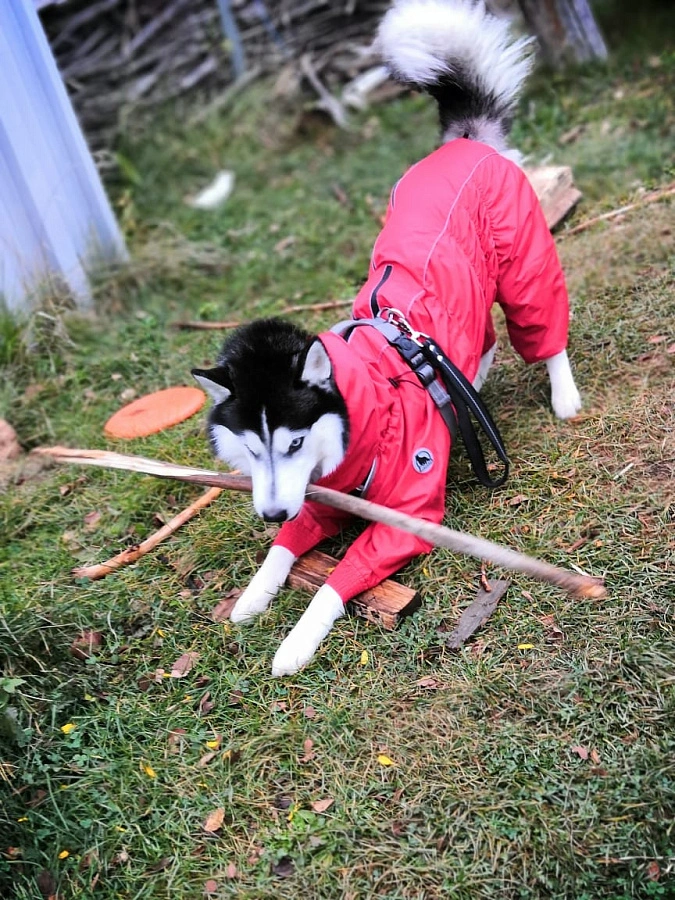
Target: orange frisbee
[155,412]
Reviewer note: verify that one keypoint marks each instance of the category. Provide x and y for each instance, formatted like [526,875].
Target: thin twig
[205,326]
[131,554]
[316,307]
[438,535]
[198,325]
[653,197]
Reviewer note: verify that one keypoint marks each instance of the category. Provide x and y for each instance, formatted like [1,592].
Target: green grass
[488,796]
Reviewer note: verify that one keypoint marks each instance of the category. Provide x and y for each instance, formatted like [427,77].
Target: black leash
[455,397]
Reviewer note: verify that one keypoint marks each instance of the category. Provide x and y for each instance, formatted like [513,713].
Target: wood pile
[121,58]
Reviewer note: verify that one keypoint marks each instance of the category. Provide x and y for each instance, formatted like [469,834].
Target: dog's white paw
[565,398]
[264,585]
[567,403]
[314,624]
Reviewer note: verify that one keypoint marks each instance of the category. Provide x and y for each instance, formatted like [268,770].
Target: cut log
[557,193]
[385,605]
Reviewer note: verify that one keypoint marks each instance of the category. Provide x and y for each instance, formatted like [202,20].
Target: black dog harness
[455,397]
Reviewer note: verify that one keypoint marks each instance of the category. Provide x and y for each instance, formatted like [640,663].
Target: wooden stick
[653,197]
[130,555]
[205,326]
[287,310]
[439,535]
[317,307]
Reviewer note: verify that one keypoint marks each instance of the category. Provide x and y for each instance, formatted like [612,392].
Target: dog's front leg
[565,398]
[264,585]
[313,626]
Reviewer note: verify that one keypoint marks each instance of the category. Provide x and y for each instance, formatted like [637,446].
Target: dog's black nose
[275,515]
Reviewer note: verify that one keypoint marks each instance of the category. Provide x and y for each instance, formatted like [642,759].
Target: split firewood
[438,535]
[132,554]
[555,189]
[386,604]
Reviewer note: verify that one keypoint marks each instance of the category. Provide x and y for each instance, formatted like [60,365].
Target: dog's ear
[216,381]
[316,367]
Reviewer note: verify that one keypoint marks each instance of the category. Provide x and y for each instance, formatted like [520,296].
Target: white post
[55,219]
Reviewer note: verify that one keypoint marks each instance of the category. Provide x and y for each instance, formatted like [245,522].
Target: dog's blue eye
[295,444]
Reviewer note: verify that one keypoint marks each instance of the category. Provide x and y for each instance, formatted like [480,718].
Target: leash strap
[455,397]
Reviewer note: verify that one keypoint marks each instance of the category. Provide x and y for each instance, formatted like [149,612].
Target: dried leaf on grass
[309,752]
[86,644]
[214,821]
[184,664]
[320,806]
[478,612]
[222,610]
[284,868]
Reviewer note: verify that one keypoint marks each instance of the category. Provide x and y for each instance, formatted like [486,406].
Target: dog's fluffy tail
[465,58]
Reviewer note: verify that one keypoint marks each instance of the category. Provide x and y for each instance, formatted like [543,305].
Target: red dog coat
[464,229]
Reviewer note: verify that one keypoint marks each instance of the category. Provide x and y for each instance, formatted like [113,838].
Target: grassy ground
[536,762]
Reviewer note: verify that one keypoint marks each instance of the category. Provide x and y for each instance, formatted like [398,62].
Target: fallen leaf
[427,682]
[183,664]
[206,759]
[64,854]
[526,646]
[309,712]
[364,658]
[231,870]
[657,339]
[46,884]
[517,500]
[653,871]
[206,704]
[91,520]
[211,886]
[149,771]
[278,706]
[86,644]
[595,757]
[215,743]
[222,610]
[385,760]
[320,806]
[235,698]
[284,868]
[68,727]
[214,820]
[161,864]
[176,740]
[581,752]
[309,753]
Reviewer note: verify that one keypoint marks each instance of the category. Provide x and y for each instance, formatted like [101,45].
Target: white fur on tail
[422,40]
[426,42]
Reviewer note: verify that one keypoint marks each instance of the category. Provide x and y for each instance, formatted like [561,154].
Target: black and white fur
[277,413]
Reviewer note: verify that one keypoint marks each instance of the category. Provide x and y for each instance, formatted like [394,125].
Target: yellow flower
[64,854]
[149,771]
[213,745]
[70,726]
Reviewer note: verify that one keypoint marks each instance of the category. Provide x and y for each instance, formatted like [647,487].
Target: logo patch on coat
[422,460]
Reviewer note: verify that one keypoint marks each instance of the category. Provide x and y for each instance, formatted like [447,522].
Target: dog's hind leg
[565,398]
[264,585]
[486,361]
[313,626]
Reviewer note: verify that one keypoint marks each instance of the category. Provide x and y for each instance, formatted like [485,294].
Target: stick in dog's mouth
[583,586]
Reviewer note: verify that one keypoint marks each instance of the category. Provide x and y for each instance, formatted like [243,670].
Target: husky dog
[463,230]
